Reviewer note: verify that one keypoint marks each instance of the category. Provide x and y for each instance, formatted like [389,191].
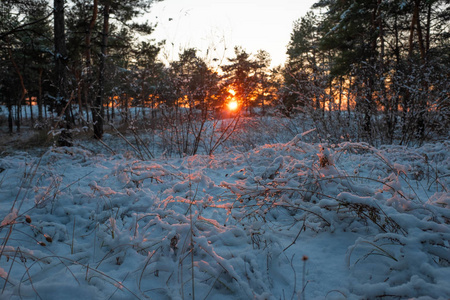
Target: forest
[126,176]
[373,70]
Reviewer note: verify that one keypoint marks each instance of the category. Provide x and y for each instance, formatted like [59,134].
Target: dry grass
[24,141]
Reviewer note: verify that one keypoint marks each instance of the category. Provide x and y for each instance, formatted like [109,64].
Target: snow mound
[292,220]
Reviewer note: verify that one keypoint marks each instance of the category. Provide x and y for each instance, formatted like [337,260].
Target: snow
[292,220]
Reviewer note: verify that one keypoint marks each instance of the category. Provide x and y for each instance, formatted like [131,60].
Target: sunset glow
[216,28]
[233,105]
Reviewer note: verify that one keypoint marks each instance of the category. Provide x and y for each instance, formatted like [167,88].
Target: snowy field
[282,221]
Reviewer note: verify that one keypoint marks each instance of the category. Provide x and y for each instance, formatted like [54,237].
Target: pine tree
[240,75]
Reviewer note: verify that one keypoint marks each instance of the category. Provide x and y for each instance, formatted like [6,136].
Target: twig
[298,234]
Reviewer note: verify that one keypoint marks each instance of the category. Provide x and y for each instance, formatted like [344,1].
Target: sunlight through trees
[373,70]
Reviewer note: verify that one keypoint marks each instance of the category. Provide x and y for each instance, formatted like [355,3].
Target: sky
[215,27]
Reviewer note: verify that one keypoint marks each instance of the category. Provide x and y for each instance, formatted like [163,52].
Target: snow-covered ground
[282,221]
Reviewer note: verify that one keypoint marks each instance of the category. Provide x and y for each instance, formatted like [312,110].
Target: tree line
[383,66]
[377,69]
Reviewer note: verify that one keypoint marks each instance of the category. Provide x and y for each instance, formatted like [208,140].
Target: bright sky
[211,26]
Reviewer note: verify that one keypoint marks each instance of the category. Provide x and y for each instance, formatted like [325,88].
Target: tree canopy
[377,68]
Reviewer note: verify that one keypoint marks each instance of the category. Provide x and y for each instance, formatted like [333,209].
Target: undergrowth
[153,229]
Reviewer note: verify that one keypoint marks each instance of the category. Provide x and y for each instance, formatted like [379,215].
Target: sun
[233,105]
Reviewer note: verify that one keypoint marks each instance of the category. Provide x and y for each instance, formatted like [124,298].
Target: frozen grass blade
[27,271]
[10,269]
[304,283]
[294,290]
[147,262]
[73,236]
[119,285]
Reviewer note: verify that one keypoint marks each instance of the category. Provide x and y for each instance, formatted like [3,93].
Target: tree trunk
[349,96]
[31,109]
[39,98]
[88,82]
[60,52]
[60,70]
[428,29]
[419,30]
[22,85]
[10,118]
[422,101]
[98,105]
